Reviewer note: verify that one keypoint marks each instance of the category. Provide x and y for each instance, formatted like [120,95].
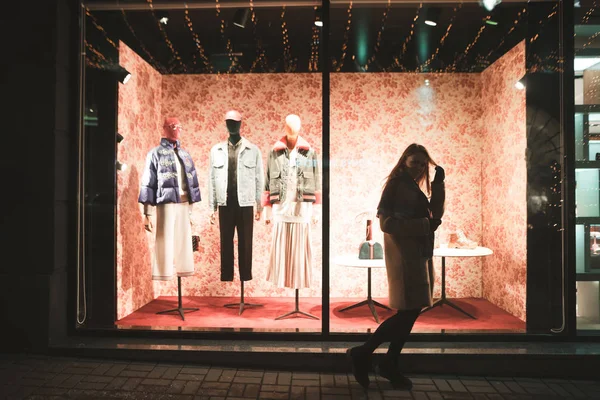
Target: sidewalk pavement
[43,377]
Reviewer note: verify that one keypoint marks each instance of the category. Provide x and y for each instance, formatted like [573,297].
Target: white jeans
[173,245]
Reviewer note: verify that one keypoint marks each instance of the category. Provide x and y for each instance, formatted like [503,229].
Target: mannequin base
[180,310]
[242,306]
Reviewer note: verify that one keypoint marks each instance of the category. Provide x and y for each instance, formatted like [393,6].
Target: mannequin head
[292,126]
[233,119]
[172,128]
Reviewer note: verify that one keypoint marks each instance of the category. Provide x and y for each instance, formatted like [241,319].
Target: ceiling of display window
[374,38]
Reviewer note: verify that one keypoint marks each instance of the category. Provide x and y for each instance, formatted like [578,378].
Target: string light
[442,40]
[588,14]
[379,35]
[452,68]
[544,22]
[260,52]
[208,66]
[288,60]
[176,55]
[100,28]
[338,65]
[313,63]
[153,61]
[397,63]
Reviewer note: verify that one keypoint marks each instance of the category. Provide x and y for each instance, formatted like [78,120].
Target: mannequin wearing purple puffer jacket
[170,185]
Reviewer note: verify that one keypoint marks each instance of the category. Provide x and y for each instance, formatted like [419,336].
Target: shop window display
[223,139]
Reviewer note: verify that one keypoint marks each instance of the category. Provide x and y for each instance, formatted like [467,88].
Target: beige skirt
[290,264]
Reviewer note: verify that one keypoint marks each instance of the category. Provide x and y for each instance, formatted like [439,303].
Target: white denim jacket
[250,175]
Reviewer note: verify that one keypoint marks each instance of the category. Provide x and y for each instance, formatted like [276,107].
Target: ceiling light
[489,4]
[520,84]
[430,23]
[121,166]
[119,137]
[318,17]
[163,17]
[426,82]
[123,75]
[241,17]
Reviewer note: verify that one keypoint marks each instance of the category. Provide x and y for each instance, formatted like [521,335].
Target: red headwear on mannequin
[172,129]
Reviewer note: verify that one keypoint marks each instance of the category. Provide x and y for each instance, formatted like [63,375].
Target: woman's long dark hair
[423,181]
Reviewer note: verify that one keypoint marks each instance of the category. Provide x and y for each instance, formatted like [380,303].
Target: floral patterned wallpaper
[373,118]
[504,183]
[139,121]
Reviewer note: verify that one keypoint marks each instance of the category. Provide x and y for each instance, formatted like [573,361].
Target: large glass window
[207,115]
[478,87]
[203,139]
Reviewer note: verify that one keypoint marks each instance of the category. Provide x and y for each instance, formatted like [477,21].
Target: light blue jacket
[250,175]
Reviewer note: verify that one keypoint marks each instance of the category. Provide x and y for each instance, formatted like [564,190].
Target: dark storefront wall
[43,229]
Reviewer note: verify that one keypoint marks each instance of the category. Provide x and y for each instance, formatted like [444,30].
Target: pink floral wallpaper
[504,183]
[373,118]
[139,121]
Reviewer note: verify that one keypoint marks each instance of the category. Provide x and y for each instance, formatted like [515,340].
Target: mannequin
[170,187]
[235,187]
[292,186]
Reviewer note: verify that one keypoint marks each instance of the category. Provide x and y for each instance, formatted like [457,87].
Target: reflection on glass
[587,193]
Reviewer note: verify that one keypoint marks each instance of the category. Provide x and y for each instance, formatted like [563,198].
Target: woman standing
[408,219]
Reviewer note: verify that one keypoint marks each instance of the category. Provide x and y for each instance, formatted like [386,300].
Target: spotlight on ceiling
[426,82]
[119,137]
[121,166]
[489,4]
[521,84]
[241,17]
[123,75]
[163,16]
[430,23]
[318,17]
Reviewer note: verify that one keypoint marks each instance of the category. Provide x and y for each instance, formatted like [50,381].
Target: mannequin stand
[241,304]
[297,311]
[179,308]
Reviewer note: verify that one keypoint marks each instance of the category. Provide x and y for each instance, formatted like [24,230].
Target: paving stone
[442,385]
[305,382]
[191,387]
[30,382]
[456,385]
[284,378]
[140,367]
[297,393]
[157,372]
[236,390]
[131,383]
[327,380]
[151,388]
[171,373]
[115,370]
[275,388]
[481,389]
[475,382]
[194,370]
[335,397]
[250,374]
[242,379]
[213,375]
[299,375]
[500,387]
[116,383]
[341,380]
[273,395]
[190,377]
[456,395]
[97,379]
[176,387]
[335,390]
[312,393]
[574,390]
[269,378]
[133,374]
[156,382]
[48,391]
[215,385]
[558,389]
[71,381]
[101,369]
[90,386]
[515,387]
[251,390]
[434,396]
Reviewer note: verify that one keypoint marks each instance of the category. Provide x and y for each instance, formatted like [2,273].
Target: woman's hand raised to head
[440,174]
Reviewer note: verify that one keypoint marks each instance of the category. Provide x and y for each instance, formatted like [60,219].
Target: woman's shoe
[389,371]
[360,366]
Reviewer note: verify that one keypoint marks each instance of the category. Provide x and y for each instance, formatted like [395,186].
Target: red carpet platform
[213,315]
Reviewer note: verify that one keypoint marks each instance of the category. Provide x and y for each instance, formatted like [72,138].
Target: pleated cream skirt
[290,264]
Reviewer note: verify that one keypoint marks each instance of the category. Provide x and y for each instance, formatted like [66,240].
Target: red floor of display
[213,314]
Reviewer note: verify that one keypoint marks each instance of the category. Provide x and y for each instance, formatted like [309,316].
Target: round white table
[355,262]
[446,252]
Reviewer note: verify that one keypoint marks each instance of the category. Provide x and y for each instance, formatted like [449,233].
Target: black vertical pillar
[325,71]
[546,168]
[38,164]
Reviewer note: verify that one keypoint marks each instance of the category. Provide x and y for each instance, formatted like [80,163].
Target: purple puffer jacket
[159,181]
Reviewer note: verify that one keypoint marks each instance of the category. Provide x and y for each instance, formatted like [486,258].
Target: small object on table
[369,249]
